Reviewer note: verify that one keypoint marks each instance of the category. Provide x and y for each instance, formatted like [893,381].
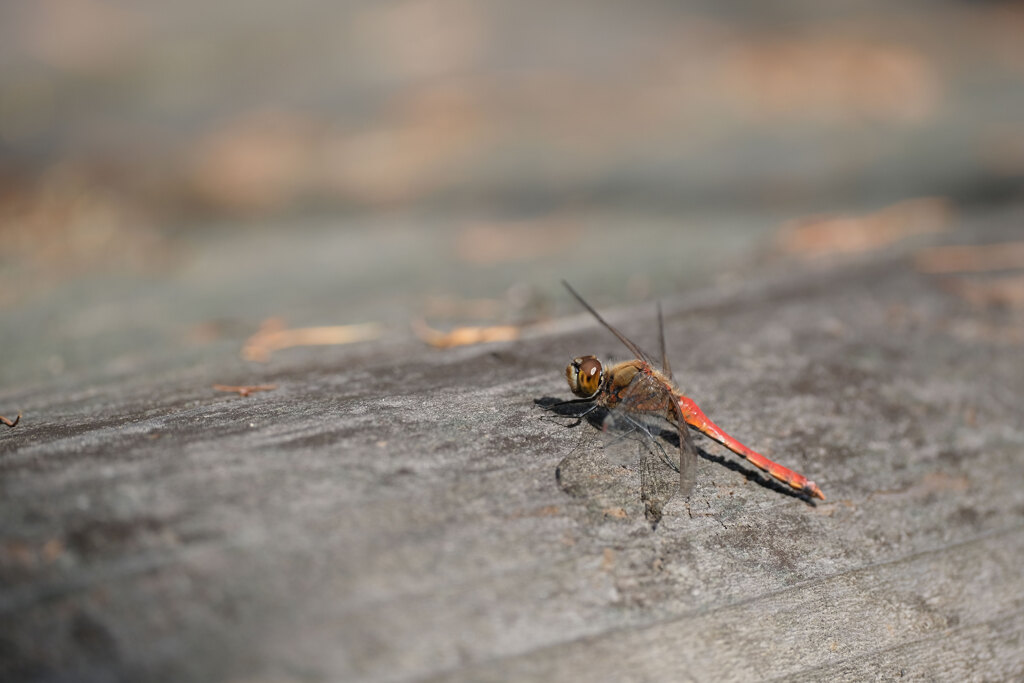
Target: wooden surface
[171,177]
[393,512]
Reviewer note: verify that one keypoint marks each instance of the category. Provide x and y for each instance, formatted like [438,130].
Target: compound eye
[585,375]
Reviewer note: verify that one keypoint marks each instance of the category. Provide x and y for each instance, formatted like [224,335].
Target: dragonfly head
[584,375]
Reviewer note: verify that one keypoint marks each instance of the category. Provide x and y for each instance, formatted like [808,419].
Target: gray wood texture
[392,512]
[173,174]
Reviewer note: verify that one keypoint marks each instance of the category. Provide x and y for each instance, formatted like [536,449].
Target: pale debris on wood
[273,336]
[970,258]
[464,336]
[833,235]
[1003,292]
[244,390]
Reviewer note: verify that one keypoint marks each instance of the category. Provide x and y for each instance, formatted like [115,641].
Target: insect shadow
[595,417]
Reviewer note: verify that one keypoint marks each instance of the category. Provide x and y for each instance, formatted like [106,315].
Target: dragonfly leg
[576,417]
[696,418]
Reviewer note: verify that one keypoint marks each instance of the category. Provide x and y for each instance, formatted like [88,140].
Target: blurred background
[173,175]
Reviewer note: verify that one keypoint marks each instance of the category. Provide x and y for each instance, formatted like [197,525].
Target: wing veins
[621,337]
[665,367]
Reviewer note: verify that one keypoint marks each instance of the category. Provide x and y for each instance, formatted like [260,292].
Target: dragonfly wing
[665,366]
[657,485]
[621,337]
[622,438]
[687,456]
[635,441]
[602,491]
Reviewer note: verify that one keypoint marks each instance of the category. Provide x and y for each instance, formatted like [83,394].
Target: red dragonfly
[635,394]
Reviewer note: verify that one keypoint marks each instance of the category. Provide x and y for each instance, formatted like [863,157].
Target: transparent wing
[650,408]
[657,486]
[665,367]
[625,436]
[621,337]
[687,455]
[637,442]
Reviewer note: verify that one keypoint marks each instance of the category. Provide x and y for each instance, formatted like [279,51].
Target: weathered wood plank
[394,513]
[817,624]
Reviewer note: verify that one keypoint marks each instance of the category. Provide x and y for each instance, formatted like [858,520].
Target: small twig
[244,390]
[10,423]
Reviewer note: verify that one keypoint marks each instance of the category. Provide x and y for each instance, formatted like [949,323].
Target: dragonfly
[637,395]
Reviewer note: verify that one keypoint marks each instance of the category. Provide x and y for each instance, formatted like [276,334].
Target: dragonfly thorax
[585,375]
